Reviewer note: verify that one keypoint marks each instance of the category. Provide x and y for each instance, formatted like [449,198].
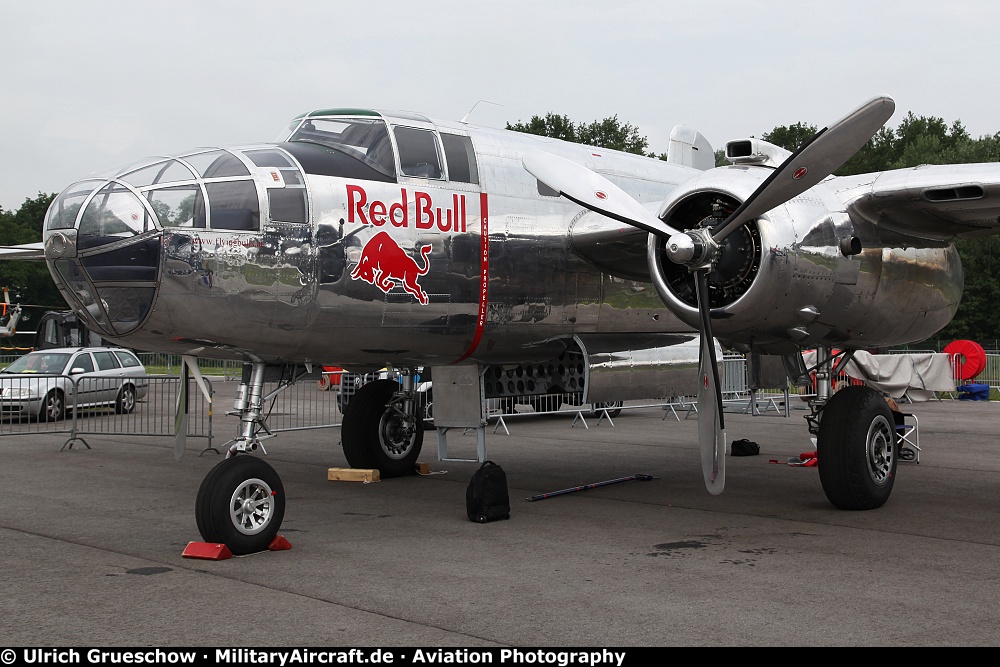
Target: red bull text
[426,215]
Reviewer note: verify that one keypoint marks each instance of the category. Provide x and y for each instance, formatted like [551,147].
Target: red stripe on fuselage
[484,273]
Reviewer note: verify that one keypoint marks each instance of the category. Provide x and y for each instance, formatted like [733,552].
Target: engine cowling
[805,273]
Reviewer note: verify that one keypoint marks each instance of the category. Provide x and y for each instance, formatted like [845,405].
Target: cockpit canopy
[415,145]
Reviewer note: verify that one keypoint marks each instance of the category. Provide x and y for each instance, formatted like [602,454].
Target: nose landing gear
[241,501]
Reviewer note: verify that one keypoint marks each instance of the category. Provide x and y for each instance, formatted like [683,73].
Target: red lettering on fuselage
[397,213]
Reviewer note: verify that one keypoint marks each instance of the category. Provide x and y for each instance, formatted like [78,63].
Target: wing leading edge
[35,251]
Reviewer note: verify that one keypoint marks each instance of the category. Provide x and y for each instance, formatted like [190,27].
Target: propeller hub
[694,249]
[681,248]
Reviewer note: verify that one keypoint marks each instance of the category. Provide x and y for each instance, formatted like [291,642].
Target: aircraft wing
[26,251]
[611,246]
[942,202]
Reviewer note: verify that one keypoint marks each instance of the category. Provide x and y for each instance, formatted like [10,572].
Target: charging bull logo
[383,262]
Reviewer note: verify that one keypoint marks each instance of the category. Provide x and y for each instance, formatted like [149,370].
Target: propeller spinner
[698,249]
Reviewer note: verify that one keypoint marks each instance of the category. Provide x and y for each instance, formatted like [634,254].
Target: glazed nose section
[104,251]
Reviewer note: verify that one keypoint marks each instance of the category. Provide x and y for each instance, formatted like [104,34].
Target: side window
[461,158]
[287,203]
[234,205]
[83,361]
[418,153]
[106,361]
[128,361]
[176,206]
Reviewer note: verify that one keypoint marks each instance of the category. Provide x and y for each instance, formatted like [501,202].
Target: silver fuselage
[430,270]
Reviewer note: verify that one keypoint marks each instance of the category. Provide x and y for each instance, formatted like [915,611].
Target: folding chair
[907,436]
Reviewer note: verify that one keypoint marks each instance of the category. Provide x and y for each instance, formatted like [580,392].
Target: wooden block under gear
[422,468]
[352,475]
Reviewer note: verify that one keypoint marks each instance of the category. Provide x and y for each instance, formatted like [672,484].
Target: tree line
[917,140]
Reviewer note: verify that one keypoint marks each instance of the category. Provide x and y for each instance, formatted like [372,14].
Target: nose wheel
[240,503]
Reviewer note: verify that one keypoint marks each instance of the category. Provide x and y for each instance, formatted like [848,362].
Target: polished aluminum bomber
[364,239]
[273,269]
[292,290]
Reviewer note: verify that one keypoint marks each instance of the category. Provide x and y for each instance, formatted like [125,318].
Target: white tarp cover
[917,376]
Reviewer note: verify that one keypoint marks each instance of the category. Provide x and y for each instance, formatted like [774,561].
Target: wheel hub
[395,436]
[251,506]
[879,446]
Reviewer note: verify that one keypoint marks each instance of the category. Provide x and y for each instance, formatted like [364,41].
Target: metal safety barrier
[92,405]
[304,405]
[79,405]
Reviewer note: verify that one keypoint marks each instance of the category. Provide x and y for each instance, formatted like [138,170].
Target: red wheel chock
[279,543]
[207,551]
[217,551]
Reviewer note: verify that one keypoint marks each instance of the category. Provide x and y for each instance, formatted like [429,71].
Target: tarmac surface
[91,543]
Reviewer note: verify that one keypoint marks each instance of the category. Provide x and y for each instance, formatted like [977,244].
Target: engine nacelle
[805,273]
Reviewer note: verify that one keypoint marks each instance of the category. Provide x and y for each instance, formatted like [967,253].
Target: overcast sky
[86,85]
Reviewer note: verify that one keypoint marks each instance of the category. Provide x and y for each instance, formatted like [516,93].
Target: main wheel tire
[375,436]
[125,403]
[53,407]
[240,503]
[857,449]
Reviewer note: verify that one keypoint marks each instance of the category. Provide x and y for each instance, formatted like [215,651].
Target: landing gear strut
[381,429]
[856,442]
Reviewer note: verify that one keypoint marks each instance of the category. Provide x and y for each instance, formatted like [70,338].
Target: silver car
[47,383]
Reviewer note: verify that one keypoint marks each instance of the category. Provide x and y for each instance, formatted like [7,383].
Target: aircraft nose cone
[103,249]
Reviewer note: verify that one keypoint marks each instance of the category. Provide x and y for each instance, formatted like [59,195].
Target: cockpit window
[217,164]
[461,158]
[175,206]
[63,211]
[364,139]
[269,158]
[234,205]
[418,154]
[114,213]
[169,171]
[287,203]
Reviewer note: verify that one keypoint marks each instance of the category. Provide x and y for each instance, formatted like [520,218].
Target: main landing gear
[381,429]
[857,445]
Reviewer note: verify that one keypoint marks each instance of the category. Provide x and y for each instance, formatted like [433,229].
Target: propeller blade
[593,191]
[816,159]
[181,414]
[711,421]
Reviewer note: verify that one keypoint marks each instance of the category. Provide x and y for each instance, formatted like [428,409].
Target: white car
[47,383]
